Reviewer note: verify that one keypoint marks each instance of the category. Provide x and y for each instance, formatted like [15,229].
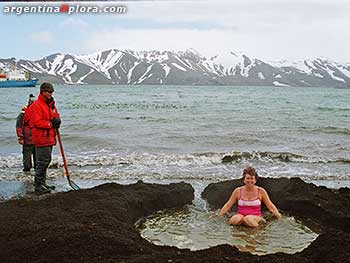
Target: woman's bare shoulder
[262,190]
[236,190]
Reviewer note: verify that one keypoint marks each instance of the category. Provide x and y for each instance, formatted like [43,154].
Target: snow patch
[80,81]
[31,67]
[329,67]
[95,60]
[304,66]
[318,75]
[226,63]
[279,84]
[178,66]
[144,76]
[116,74]
[182,62]
[130,71]
[150,56]
[167,69]
[68,68]
[337,78]
[261,75]
[344,70]
[245,70]
[52,67]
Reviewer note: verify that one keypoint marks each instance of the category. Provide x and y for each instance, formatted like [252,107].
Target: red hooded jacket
[41,114]
[23,127]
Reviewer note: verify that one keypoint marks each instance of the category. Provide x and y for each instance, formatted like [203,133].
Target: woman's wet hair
[251,171]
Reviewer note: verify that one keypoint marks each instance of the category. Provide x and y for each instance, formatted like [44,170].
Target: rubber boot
[51,187]
[41,189]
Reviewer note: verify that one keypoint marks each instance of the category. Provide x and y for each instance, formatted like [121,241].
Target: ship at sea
[16,78]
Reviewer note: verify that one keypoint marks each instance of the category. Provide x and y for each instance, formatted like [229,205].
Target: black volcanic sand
[97,225]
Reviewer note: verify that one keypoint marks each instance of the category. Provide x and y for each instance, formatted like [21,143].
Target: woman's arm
[269,204]
[229,203]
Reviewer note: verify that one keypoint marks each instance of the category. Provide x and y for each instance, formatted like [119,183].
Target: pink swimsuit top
[249,207]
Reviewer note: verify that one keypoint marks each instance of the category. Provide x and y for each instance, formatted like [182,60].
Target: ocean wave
[5,118]
[105,158]
[89,126]
[123,106]
[263,156]
[342,161]
[86,141]
[199,171]
[333,130]
[239,157]
[195,176]
[10,162]
[148,161]
[333,109]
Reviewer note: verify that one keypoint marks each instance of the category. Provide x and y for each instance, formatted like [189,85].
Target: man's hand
[21,141]
[56,123]
[51,103]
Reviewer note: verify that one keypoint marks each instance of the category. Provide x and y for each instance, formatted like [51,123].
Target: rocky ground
[97,225]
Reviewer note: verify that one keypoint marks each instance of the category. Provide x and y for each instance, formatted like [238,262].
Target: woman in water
[249,199]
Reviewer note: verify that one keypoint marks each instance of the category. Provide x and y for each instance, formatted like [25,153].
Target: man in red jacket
[24,134]
[45,119]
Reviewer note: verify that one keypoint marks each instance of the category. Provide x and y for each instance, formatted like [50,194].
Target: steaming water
[198,227]
[195,229]
[168,134]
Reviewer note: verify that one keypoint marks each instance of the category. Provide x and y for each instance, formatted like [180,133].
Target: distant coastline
[123,67]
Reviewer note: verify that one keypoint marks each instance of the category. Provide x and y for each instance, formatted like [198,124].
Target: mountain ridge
[189,67]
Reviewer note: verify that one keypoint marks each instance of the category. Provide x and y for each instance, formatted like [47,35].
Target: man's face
[47,94]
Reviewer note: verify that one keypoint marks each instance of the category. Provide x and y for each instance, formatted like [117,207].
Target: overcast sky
[265,29]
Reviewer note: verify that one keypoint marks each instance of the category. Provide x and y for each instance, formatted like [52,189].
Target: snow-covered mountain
[182,68]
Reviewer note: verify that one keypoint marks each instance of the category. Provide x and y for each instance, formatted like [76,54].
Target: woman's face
[249,180]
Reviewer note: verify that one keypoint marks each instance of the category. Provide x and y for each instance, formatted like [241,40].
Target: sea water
[166,134]
[183,132]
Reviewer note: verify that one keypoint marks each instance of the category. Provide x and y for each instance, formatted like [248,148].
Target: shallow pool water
[196,228]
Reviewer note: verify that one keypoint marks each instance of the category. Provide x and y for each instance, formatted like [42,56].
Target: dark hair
[46,86]
[251,171]
[31,99]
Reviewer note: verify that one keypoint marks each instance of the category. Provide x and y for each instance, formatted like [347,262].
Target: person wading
[45,119]
[24,134]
